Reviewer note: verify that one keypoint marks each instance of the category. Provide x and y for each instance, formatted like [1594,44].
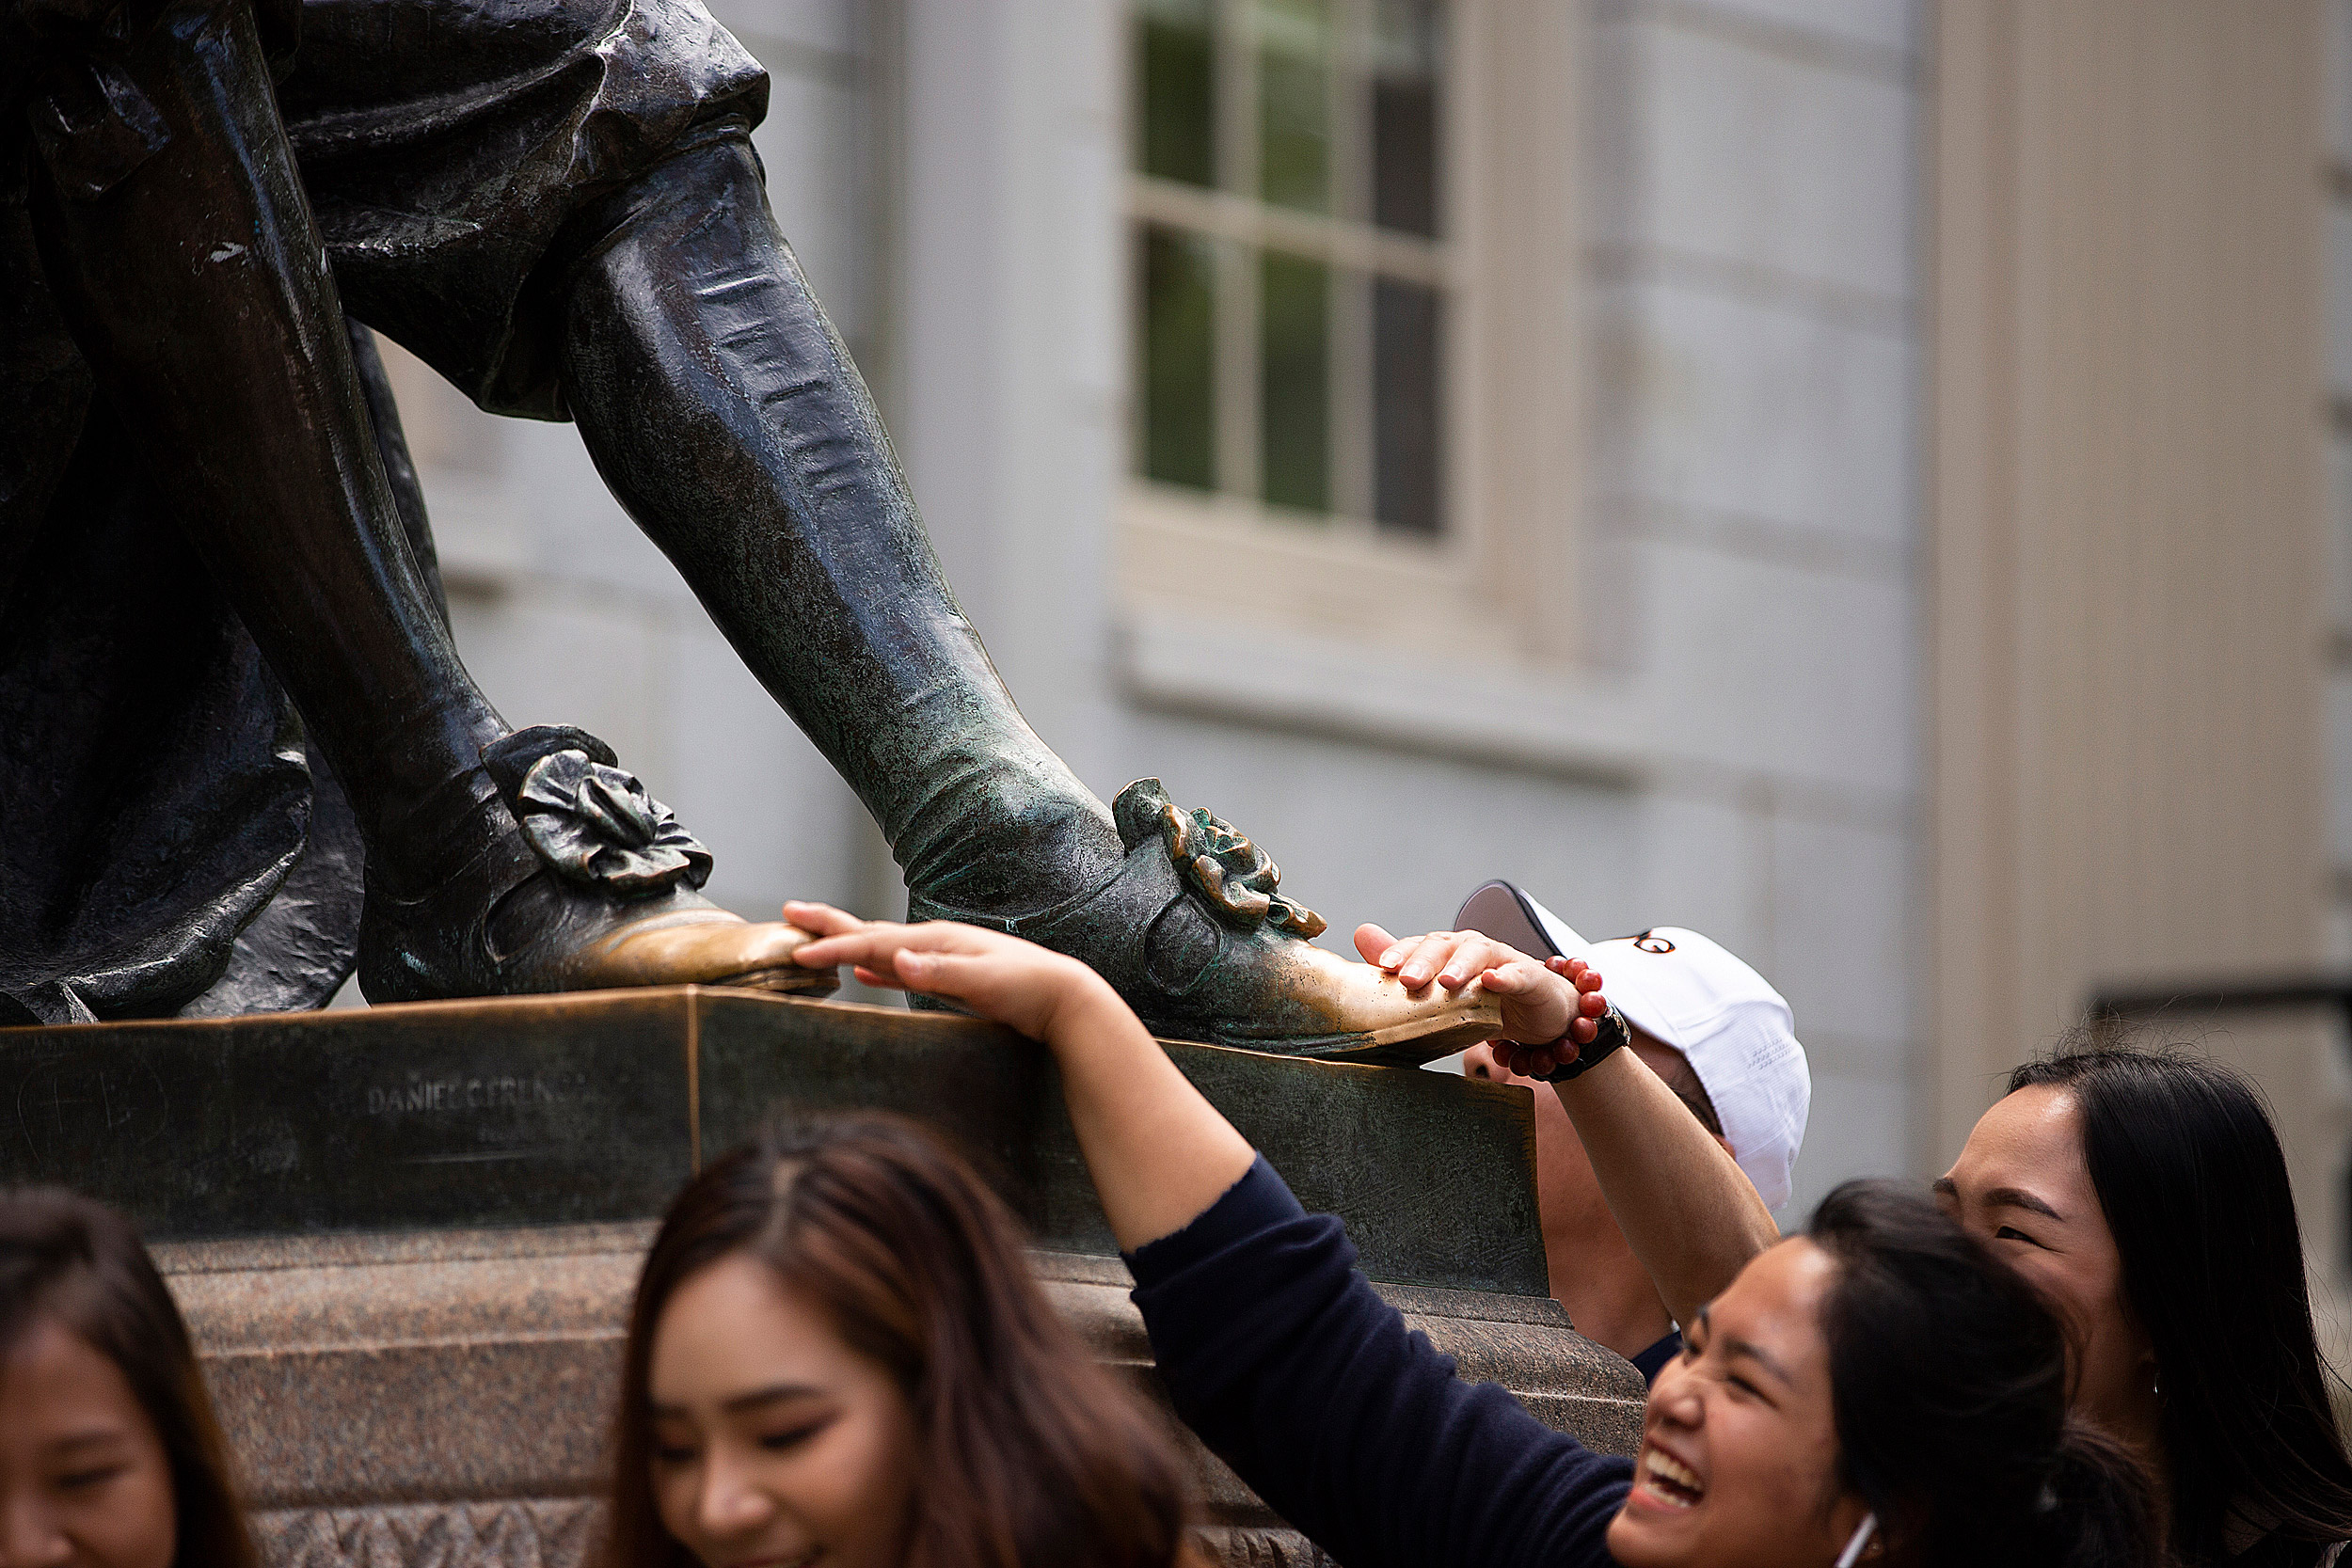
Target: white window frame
[1496,585]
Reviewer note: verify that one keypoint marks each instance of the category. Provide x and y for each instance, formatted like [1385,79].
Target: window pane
[1179,395]
[1406,66]
[1293,108]
[1294,389]
[1408,424]
[1176,75]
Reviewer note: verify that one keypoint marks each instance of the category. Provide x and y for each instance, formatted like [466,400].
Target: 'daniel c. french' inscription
[427,1095]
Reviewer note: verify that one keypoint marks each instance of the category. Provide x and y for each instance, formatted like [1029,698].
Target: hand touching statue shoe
[1689,1213]
[1002,979]
[1550,1010]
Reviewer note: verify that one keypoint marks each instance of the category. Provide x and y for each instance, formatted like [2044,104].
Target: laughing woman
[1881,1390]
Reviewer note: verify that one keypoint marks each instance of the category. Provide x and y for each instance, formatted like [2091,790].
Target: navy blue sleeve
[1653,1360]
[1356,1429]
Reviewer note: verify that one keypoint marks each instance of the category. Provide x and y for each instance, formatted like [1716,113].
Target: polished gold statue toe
[1321,1004]
[564,874]
[698,947]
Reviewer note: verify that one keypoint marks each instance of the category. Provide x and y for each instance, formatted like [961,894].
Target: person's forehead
[2032,1135]
[50,1373]
[1669,1062]
[1775,1305]
[735,1325]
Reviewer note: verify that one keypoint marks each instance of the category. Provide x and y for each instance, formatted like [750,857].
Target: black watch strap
[1612,1033]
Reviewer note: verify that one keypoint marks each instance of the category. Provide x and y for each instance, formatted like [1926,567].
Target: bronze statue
[204,500]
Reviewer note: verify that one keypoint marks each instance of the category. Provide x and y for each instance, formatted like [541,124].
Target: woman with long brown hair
[110,1455]
[837,1355]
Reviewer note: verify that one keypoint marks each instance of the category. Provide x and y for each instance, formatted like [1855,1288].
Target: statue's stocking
[727,417]
[178,239]
[726,414]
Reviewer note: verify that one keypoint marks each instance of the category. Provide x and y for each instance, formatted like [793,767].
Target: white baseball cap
[1688,992]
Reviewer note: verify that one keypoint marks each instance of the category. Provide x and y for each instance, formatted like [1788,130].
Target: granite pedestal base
[406,1238]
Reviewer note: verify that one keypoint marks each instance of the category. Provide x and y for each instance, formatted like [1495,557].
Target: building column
[2127,778]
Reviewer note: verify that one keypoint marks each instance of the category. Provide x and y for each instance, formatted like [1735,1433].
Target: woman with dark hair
[837,1355]
[109,1455]
[1882,1390]
[2146,1195]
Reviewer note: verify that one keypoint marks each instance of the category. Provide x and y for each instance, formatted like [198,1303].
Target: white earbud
[1862,1533]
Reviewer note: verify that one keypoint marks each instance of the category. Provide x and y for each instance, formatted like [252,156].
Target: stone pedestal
[406,1238]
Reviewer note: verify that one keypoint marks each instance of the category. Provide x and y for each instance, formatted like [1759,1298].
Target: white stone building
[1450,440]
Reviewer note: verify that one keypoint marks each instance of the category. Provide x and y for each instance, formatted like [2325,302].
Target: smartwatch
[1611,1032]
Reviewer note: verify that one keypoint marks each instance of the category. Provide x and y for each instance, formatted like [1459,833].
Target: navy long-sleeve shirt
[1355,1429]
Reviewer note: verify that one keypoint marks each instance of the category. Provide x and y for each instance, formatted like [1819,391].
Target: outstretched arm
[1272,1346]
[1687,1209]
[1159,1153]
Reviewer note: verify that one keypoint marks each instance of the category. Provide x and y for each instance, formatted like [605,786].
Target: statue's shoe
[1192,931]
[567,877]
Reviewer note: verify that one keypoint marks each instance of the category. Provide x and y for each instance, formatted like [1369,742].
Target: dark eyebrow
[1761,1356]
[774,1393]
[1745,1347]
[2001,1197]
[2017,1198]
[85,1440]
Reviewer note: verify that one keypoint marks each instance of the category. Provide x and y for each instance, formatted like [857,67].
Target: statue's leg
[726,414]
[194,282]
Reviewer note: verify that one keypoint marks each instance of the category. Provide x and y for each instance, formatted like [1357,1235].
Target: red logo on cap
[1650,942]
